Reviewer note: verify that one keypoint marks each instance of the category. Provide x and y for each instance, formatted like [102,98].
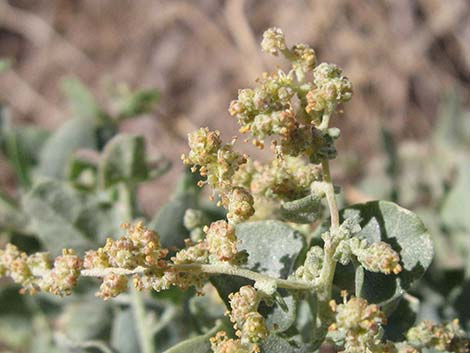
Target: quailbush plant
[296,273]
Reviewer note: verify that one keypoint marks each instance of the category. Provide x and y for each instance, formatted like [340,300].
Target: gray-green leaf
[65,218]
[73,135]
[406,233]
[123,160]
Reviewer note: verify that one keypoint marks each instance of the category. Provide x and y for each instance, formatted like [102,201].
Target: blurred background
[403,57]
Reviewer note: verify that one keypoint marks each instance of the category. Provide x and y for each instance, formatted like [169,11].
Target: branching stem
[209,269]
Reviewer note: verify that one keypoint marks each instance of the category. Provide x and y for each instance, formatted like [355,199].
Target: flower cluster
[286,179]
[215,161]
[221,241]
[139,248]
[289,107]
[357,326]
[378,257]
[250,325]
[445,337]
[218,163]
[38,272]
[331,88]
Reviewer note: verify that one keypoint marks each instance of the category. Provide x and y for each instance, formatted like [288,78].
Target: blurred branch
[36,30]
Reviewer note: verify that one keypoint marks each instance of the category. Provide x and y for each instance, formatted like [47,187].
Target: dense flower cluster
[250,325]
[38,272]
[286,179]
[358,326]
[221,241]
[331,88]
[289,107]
[218,163]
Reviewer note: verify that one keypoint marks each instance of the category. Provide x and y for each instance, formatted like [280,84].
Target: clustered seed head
[64,275]
[443,337]
[37,272]
[284,179]
[220,343]
[138,248]
[266,110]
[197,253]
[303,57]
[215,161]
[244,301]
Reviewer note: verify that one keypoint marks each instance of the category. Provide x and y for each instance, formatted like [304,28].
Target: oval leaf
[406,233]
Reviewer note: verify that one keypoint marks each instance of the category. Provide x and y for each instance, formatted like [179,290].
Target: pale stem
[146,340]
[209,269]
